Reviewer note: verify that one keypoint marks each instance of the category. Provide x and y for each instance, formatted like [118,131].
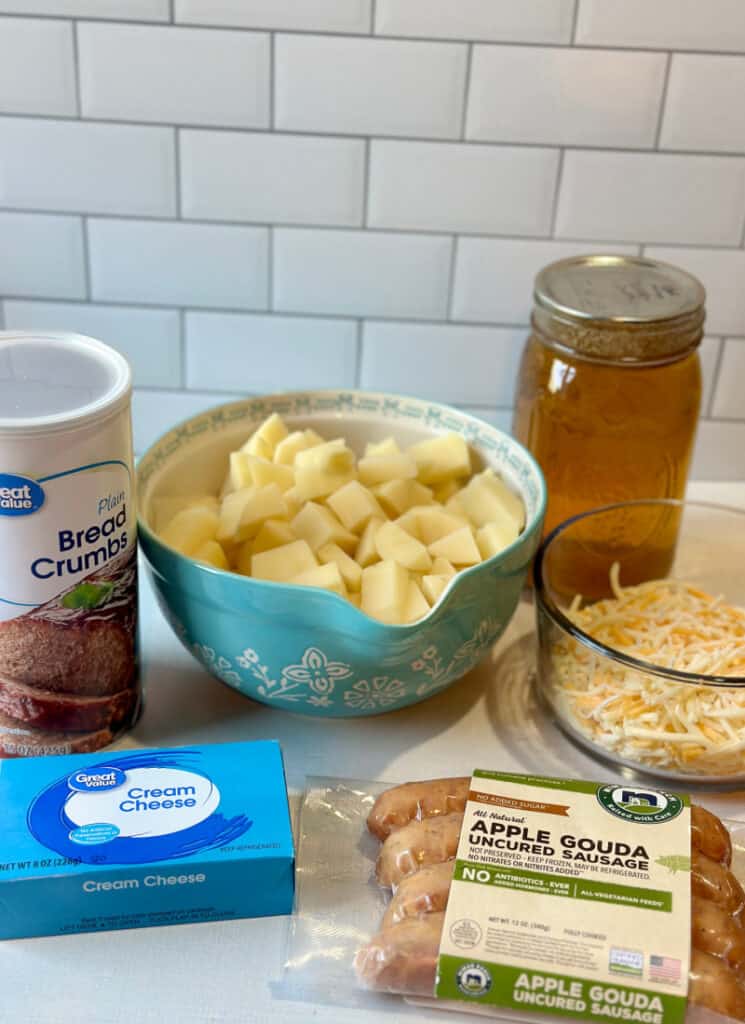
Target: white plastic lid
[52,381]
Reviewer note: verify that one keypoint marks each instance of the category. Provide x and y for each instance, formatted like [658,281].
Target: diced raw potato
[270,433]
[495,537]
[227,486]
[389,446]
[318,525]
[441,567]
[378,469]
[246,470]
[327,577]
[273,534]
[243,512]
[385,588]
[367,553]
[190,528]
[315,483]
[257,446]
[240,474]
[416,606]
[409,522]
[486,498]
[293,501]
[329,457]
[242,556]
[297,441]
[355,505]
[433,586]
[164,509]
[444,491]
[211,553]
[397,496]
[434,522]
[455,506]
[458,547]
[396,545]
[350,571]
[282,563]
[441,458]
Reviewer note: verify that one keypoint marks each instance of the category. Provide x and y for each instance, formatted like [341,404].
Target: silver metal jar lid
[623,307]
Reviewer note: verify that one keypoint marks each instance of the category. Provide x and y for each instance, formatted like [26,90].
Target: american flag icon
[664,969]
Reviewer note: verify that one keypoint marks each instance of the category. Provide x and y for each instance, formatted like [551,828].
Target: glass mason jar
[609,387]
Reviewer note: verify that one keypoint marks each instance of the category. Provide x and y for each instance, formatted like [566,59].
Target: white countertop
[219,973]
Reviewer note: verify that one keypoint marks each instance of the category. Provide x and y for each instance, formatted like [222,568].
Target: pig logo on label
[642,806]
[473,979]
[19,495]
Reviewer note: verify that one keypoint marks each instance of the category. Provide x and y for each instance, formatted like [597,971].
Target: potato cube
[388,446]
[441,567]
[397,496]
[367,553]
[293,501]
[433,586]
[243,512]
[242,557]
[316,483]
[211,553]
[273,534]
[355,505]
[282,563]
[164,509]
[459,547]
[350,571]
[190,528]
[434,522]
[327,577]
[409,522]
[455,506]
[446,490]
[239,474]
[385,588]
[396,545]
[495,537]
[329,457]
[266,437]
[246,470]
[318,525]
[486,498]
[378,469]
[416,606]
[297,441]
[227,486]
[441,458]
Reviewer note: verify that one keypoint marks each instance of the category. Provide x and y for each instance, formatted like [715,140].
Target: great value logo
[19,495]
[97,781]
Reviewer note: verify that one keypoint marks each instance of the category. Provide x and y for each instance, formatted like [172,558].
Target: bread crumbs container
[69,678]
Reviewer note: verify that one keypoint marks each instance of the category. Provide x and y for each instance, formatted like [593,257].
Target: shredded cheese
[650,719]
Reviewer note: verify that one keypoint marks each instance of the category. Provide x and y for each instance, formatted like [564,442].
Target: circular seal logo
[473,979]
[645,806]
[465,933]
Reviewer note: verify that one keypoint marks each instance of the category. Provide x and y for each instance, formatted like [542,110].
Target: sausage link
[711,880]
[424,892]
[709,835]
[715,985]
[402,958]
[415,801]
[430,841]
[715,931]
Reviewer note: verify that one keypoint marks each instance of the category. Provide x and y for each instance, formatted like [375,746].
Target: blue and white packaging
[148,837]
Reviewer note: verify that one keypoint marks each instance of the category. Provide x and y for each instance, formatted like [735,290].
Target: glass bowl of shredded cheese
[642,636]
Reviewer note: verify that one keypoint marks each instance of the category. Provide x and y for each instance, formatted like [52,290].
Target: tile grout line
[366,185]
[86,258]
[358,354]
[709,411]
[373,16]
[466,92]
[76,62]
[663,102]
[557,190]
[171,12]
[270,269]
[183,376]
[575,21]
[2,314]
[451,279]
[177,171]
[272,76]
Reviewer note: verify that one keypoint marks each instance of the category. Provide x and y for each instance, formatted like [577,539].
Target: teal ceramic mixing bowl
[309,650]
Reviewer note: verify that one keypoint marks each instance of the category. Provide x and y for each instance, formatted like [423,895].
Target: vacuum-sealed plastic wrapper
[374,877]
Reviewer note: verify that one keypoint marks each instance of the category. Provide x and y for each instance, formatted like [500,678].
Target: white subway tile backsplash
[652,197]
[704,107]
[442,362]
[178,264]
[37,67]
[361,273]
[526,21]
[729,397]
[494,276]
[225,351]
[318,16]
[721,273]
[41,255]
[720,451]
[89,168]
[709,352]
[154,413]
[179,75]
[449,187]
[369,86]
[290,179]
[139,10]
[667,24]
[149,338]
[564,95]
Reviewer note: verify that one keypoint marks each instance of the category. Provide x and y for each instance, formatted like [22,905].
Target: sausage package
[518,897]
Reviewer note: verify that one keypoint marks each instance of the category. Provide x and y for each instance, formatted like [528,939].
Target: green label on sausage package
[570,898]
